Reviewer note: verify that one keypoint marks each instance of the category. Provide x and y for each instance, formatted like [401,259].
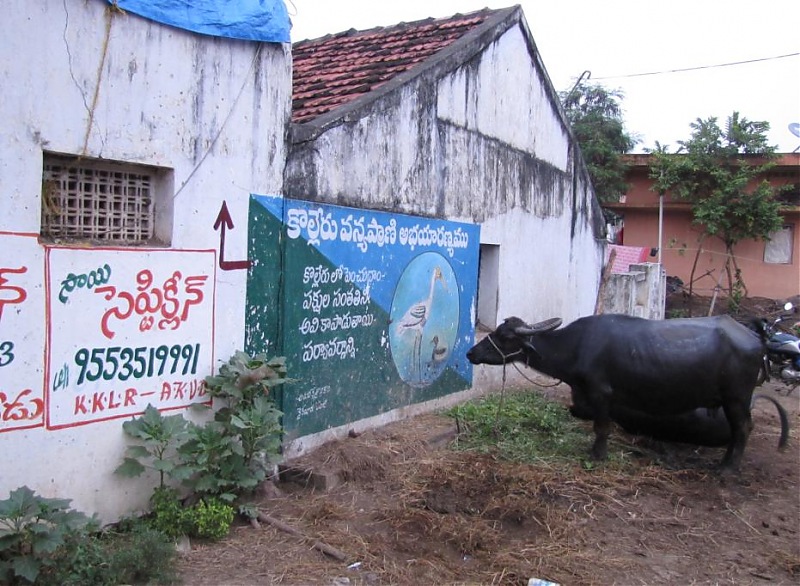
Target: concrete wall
[482,142]
[478,137]
[82,79]
[640,292]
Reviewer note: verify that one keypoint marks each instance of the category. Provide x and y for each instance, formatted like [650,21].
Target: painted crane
[415,319]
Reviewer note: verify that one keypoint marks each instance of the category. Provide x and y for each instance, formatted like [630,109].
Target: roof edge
[459,51]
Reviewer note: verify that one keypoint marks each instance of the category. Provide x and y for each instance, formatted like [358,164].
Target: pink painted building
[769,269]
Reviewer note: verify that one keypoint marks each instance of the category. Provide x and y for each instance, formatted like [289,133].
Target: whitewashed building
[141,161]
[123,140]
[455,119]
[465,126]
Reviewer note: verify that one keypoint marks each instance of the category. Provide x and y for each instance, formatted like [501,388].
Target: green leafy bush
[142,555]
[244,378]
[81,560]
[219,461]
[230,456]
[210,519]
[133,554]
[227,456]
[159,438]
[168,514]
[32,529]
[44,542]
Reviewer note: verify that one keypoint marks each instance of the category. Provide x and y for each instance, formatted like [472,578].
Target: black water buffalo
[655,367]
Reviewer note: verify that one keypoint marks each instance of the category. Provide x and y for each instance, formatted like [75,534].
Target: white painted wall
[213,110]
[483,142]
[508,100]
[550,252]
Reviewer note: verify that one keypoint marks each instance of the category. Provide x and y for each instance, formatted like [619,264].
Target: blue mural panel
[376,309]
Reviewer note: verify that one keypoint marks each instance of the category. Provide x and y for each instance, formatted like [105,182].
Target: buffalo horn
[542,326]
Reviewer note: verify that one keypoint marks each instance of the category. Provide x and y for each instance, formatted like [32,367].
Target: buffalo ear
[528,346]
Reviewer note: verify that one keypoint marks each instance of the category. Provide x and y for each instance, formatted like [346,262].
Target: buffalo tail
[784,417]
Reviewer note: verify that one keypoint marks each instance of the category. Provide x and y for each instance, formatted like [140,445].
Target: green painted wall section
[347,355]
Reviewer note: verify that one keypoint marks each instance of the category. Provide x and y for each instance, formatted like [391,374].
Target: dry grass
[411,514]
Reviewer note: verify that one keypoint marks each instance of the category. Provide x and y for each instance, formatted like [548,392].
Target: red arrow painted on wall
[224,221]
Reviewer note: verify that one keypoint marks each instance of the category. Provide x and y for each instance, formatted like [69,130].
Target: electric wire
[684,69]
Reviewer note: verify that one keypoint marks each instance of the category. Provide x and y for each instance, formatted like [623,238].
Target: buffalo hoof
[599,453]
[727,471]
[729,465]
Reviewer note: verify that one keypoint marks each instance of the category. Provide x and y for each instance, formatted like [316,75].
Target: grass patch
[529,428]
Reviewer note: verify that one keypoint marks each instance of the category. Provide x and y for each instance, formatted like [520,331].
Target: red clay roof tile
[333,70]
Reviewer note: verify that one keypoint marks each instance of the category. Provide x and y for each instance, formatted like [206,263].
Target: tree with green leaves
[595,115]
[721,173]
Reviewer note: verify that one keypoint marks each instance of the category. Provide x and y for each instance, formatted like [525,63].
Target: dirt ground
[397,505]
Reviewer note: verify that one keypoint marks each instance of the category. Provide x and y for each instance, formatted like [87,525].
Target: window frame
[770,250]
[100,201]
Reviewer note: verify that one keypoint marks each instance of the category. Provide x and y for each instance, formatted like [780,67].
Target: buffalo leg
[602,429]
[599,404]
[741,423]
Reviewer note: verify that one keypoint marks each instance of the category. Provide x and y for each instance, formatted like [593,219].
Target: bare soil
[398,505]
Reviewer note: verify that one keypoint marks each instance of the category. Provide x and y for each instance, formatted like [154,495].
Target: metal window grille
[85,200]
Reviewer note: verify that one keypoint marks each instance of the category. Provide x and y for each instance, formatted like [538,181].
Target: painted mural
[373,310]
[124,328]
[424,322]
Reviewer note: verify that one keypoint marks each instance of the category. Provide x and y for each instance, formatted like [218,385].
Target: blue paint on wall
[424,319]
[376,308]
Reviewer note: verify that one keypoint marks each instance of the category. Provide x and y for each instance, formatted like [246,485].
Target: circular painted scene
[424,319]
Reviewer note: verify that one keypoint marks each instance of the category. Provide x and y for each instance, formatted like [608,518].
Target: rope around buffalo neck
[495,431]
[505,358]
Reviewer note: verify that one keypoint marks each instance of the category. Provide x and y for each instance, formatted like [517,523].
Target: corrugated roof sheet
[336,69]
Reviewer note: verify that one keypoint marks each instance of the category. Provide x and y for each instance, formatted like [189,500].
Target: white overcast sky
[616,39]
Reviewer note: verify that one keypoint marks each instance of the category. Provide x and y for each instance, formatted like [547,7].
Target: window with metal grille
[102,201]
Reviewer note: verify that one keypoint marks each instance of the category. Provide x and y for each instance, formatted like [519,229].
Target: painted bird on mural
[439,351]
[415,319]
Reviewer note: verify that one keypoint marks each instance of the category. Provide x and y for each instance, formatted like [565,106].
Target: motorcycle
[782,359]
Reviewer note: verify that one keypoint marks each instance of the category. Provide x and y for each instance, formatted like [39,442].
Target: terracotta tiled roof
[336,69]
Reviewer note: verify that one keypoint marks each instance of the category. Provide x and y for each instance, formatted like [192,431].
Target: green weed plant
[527,427]
[32,530]
[45,542]
[217,463]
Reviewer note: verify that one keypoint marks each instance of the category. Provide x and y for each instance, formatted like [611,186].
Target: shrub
[168,515]
[225,457]
[219,461]
[210,519]
[44,542]
[32,529]
[142,555]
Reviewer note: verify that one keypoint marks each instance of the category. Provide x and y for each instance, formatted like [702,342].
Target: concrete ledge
[308,478]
